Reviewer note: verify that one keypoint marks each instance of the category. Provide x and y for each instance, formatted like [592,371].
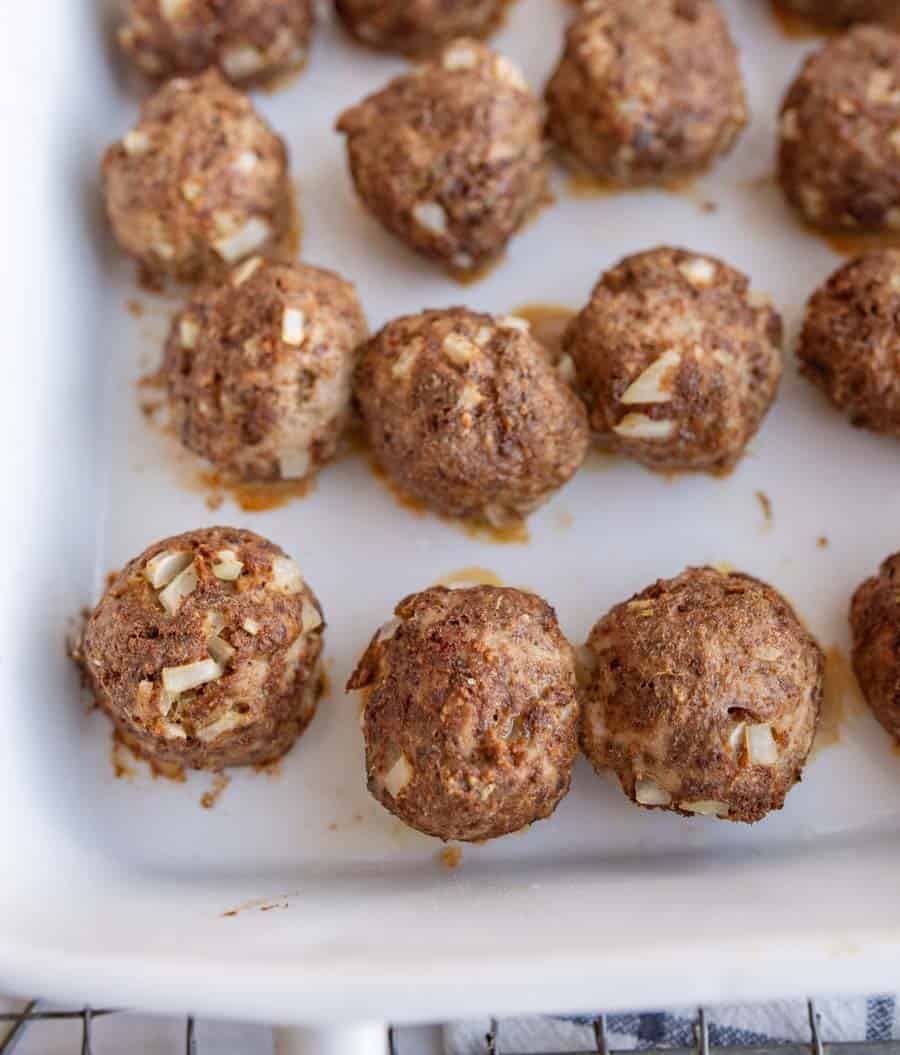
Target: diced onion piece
[566,369]
[388,629]
[246,162]
[228,567]
[761,745]
[183,585]
[398,776]
[251,626]
[736,736]
[242,61]
[459,57]
[190,675]
[173,9]
[254,233]
[213,622]
[649,793]
[293,327]
[404,362]
[706,808]
[513,322]
[310,615]
[431,216]
[245,270]
[229,720]
[459,349]
[698,270]
[654,384]
[286,575]
[220,650]
[136,142]
[162,569]
[172,730]
[768,653]
[640,427]
[188,331]
[293,465]
[144,693]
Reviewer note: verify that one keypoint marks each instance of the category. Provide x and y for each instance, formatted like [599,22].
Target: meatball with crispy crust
[415,27]
[251,41]
[844,12]
[450,157]
[258,369]
[875,621]
[204,650]
[850,343]
[646,91]
[467,414]
[702,695]
[677,360]
[199,183]
[839,138]
[471,712]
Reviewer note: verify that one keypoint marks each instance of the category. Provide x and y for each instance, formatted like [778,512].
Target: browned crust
[875,621]
[476,689]
[418,27]
[672,672]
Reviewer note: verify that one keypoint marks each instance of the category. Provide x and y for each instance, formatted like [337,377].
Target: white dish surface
[118,887]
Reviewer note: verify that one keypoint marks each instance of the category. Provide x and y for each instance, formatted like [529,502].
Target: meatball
[702,695]
[839,133]
[251,41]
[200,182]
[204,650]
[850,343]
[258,369]
[414,27]
[678,361]
[844,12]
[471,712]
[467,413]
[450,157]
[646,91]
[875,621]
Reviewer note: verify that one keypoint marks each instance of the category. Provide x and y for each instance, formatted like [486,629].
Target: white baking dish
[114,891]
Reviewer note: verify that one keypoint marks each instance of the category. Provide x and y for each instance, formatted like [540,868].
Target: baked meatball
[415,27]
[844,12]
[204,650]
[251,41]
[449,157]
[471,712]
[850,343]
[199,183]
[646,91]
[677,360]
[258,369]
[839,133]
[467,414]
[702,695]
[875,621]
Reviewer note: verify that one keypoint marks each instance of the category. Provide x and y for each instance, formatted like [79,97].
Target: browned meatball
[850,344]
[678,361]
[466,412]
[646,91]
[249,40]
[258,369]
[415,27]
[471,712]
[839,139]
[199,183]
[449,157]
[844,12]
[702,695]
[875,621]
[204,650]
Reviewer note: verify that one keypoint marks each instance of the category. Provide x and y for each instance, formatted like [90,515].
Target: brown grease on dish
[795,26]
[548,323]
[471,576]
[854,243]
[122,743]
[451,857]
[211,797]
[256,497]
[842,697]
[765,503]
[822,541]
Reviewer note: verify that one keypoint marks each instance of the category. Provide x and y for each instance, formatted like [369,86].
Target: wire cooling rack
[19,1022]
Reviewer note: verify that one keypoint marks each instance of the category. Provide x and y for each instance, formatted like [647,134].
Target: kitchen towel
[778,1022]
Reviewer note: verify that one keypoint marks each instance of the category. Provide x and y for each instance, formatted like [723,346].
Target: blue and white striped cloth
[778,1022]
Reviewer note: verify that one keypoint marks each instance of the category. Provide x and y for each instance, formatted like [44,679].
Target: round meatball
[875,621]
[204,650]
[678,361]
[702,694]
[258,369]
[251,41]
[467,414]
[646,91]
[844,12]
[450,157]
[415,27]
[200,182]
[839,133]
[850,343]
[471,712]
